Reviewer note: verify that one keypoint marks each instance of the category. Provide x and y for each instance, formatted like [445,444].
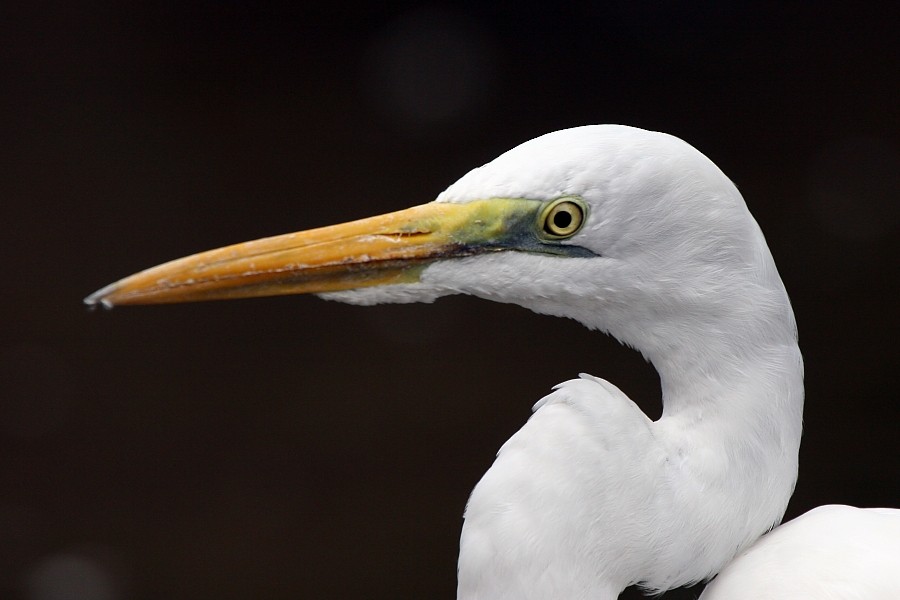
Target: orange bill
[383,250]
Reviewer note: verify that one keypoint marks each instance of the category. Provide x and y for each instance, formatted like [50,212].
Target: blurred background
[295,448]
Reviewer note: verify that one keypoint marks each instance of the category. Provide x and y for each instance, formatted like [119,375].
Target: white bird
[631,232]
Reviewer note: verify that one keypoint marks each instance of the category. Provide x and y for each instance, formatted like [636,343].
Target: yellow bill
[383,250]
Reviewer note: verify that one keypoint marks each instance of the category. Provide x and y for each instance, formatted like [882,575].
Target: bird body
[829,553]
[630,232]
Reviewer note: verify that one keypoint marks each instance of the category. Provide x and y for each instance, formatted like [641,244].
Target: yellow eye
[562,218]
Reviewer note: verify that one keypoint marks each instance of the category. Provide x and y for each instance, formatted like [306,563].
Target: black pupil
[562,219]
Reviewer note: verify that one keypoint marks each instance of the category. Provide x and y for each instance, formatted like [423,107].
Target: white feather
[829,553]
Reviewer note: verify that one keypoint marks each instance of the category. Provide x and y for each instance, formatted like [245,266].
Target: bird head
[603,224]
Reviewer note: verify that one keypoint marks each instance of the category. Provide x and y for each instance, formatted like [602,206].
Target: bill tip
[100,298]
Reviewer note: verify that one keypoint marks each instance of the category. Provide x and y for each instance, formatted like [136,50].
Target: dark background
[294,448]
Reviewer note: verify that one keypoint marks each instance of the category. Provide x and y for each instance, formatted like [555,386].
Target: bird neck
[743,399]
[732,349]
[731,425]
[746,372]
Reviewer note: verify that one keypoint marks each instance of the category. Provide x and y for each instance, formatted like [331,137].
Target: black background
[295,448]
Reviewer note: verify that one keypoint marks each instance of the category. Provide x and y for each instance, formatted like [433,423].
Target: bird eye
[562,218]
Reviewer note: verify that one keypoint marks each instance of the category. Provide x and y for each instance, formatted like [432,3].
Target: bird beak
[387,249]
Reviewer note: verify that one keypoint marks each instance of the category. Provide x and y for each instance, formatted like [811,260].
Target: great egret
[631,232]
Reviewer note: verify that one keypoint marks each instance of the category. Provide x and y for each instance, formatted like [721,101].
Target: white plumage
[590,496]
[830,553]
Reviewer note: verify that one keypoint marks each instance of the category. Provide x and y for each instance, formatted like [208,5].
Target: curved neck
[731,426]
[703,370]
